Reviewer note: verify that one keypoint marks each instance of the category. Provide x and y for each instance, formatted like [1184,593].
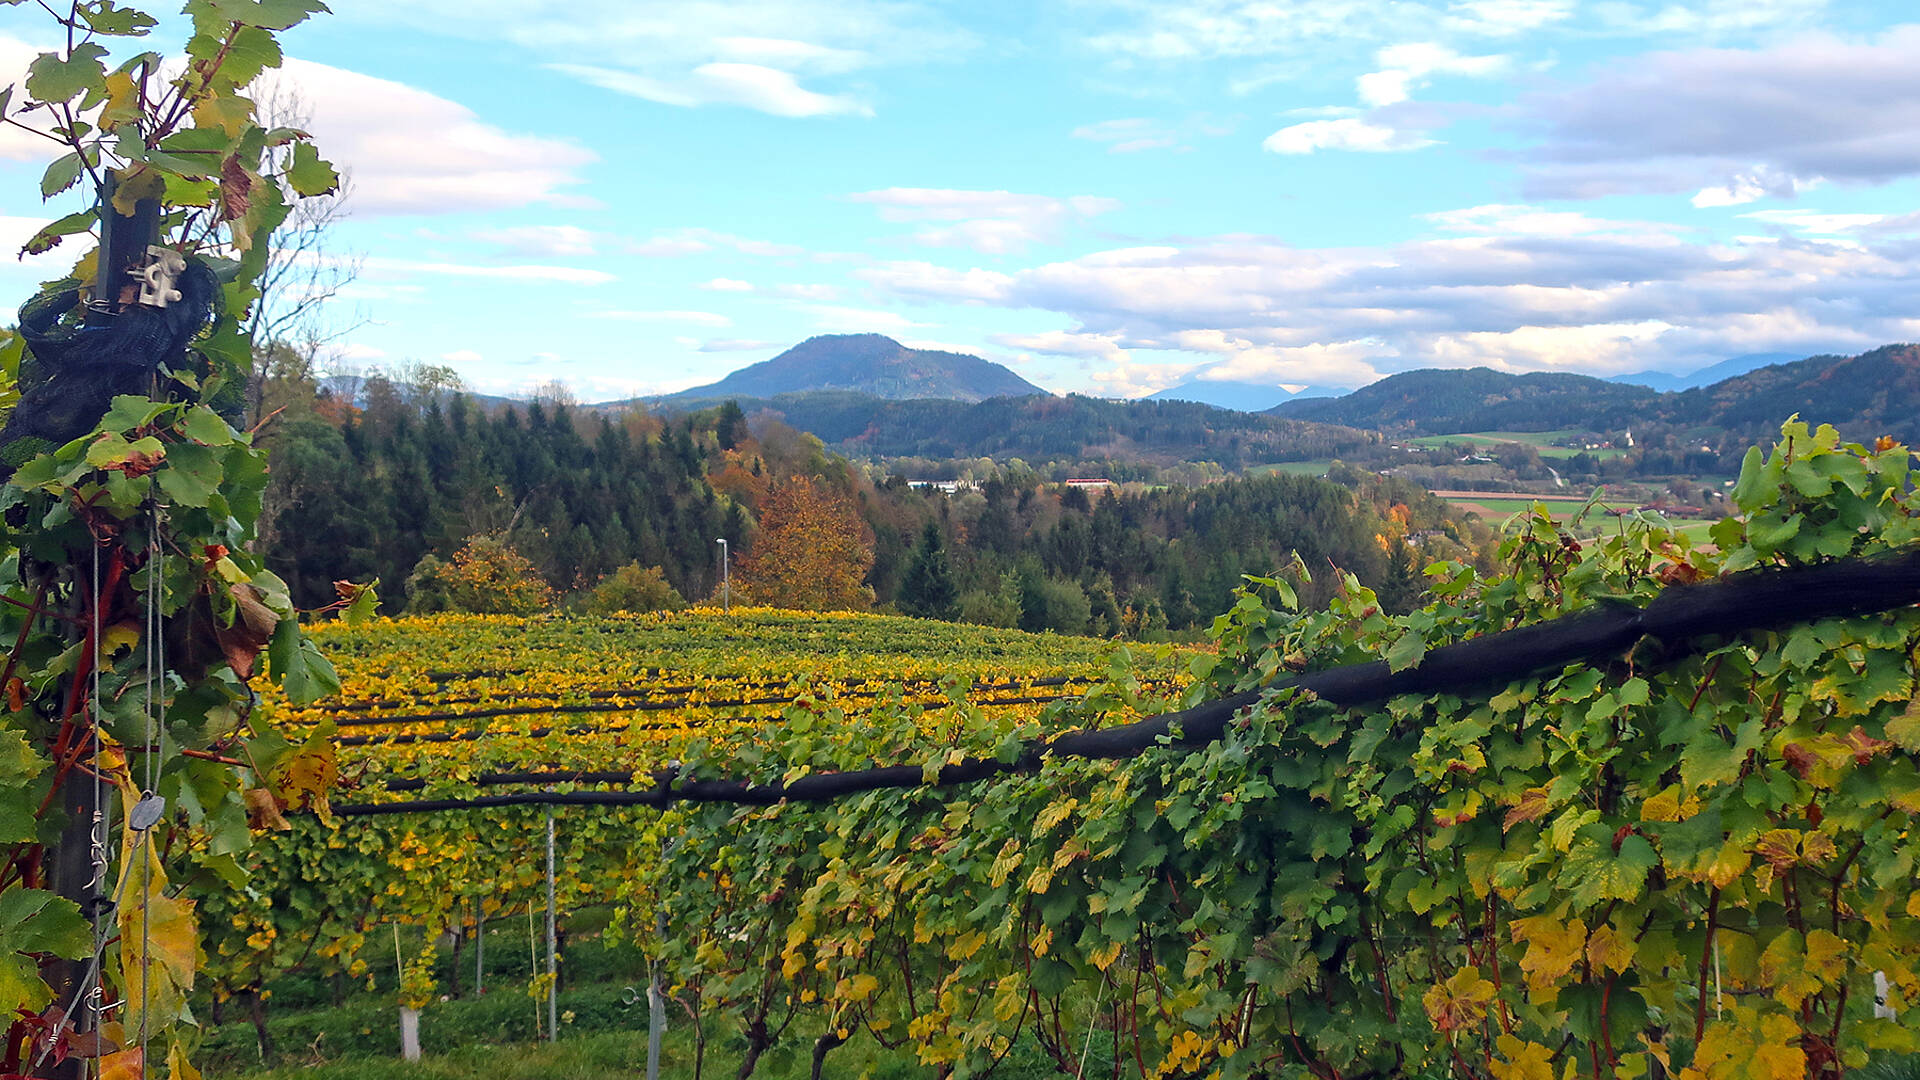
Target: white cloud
[783,57]
[1067,343]
[924,280]
[721,284]
[807,292]
[990,222]
[1194,31]
[413,152]
[1406,68]
[753,86]
[1504,219]
[1351,133]
[15,231]
[697,318]
[1511,287]
[851,320]
[695,241]
[1752,186]
[541,241]
[1733,125]
[736,345]
[1505,18]
[1815,223]
[381,265]
[1709,18]
[1129,135]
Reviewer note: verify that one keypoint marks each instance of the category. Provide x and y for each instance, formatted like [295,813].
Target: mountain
[1706,376]
[1239,396]
[1872,394]
[1448,401]
[1045,428]
[871,364]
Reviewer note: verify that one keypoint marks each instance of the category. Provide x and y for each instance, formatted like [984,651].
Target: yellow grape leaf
[1104,956]
[1531,807]
[263,811]
[158,941]
[1905,728]
[1524,1060]
[303,778]
[178,1067]
[1553,948]
[119,636]
[1460,1002]
[1662,807]
[1778,1055]
[1780,847]
[1826,955]
[1607,949]
[966,945]
[1054,814]
[858,988]
[1785,966]
[123,1065]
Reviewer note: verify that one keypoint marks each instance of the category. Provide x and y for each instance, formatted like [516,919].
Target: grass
[1541,441]
[1292,468]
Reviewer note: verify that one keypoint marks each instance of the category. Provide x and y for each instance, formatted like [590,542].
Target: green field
[1292,468]
[1598,519]
[1542,441]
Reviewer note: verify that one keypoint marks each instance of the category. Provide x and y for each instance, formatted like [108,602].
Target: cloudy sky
[1111,196]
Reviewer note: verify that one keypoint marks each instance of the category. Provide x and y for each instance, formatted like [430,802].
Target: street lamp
[726,577]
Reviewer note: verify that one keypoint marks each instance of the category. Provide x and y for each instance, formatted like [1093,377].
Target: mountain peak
[869,364]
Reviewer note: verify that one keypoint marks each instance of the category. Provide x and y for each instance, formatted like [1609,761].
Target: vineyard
[1688,857]
[446,712]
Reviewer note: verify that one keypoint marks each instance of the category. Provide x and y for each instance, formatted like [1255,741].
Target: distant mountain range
[1875,393]
[871,364]
[1239,396]
[1707,376]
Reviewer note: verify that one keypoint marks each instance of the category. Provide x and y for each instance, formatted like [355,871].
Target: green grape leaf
[53,78]
[309,174]
[61,175]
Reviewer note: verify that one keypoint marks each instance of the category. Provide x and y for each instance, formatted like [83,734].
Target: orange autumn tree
[813,552]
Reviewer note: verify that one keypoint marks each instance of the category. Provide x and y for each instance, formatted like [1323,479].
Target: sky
[1109,196]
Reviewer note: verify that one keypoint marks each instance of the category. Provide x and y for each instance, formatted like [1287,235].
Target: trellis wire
[1739,602]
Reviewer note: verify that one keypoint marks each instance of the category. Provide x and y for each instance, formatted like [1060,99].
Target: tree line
[454,504]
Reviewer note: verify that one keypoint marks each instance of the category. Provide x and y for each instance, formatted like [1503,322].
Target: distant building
[944,487]
[1090,482]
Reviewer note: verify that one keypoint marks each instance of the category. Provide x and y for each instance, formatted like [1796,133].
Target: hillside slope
[868,364]
[1874,393]
[1443,402]
[1048,428]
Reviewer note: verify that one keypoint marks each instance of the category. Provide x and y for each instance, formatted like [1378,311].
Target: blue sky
[1110,196]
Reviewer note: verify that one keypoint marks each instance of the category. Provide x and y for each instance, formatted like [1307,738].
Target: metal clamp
[163,268]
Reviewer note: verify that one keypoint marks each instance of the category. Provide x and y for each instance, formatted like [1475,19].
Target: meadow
[1545,442]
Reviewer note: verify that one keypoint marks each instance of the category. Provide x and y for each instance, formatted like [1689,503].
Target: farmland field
[1542,441]
[1292,468]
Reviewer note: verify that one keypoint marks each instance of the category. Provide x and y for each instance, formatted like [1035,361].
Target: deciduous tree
[813,553]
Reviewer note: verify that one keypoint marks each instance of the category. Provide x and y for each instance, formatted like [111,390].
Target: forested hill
[1477,399]
[869,364]
[369,492]
[1874,393]
[1044,428]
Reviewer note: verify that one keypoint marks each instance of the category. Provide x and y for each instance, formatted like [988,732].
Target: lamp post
[726,577]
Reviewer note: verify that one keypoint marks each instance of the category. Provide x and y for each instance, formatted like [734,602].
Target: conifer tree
[927,590]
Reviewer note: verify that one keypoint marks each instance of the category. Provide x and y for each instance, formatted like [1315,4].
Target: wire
[1746,601]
